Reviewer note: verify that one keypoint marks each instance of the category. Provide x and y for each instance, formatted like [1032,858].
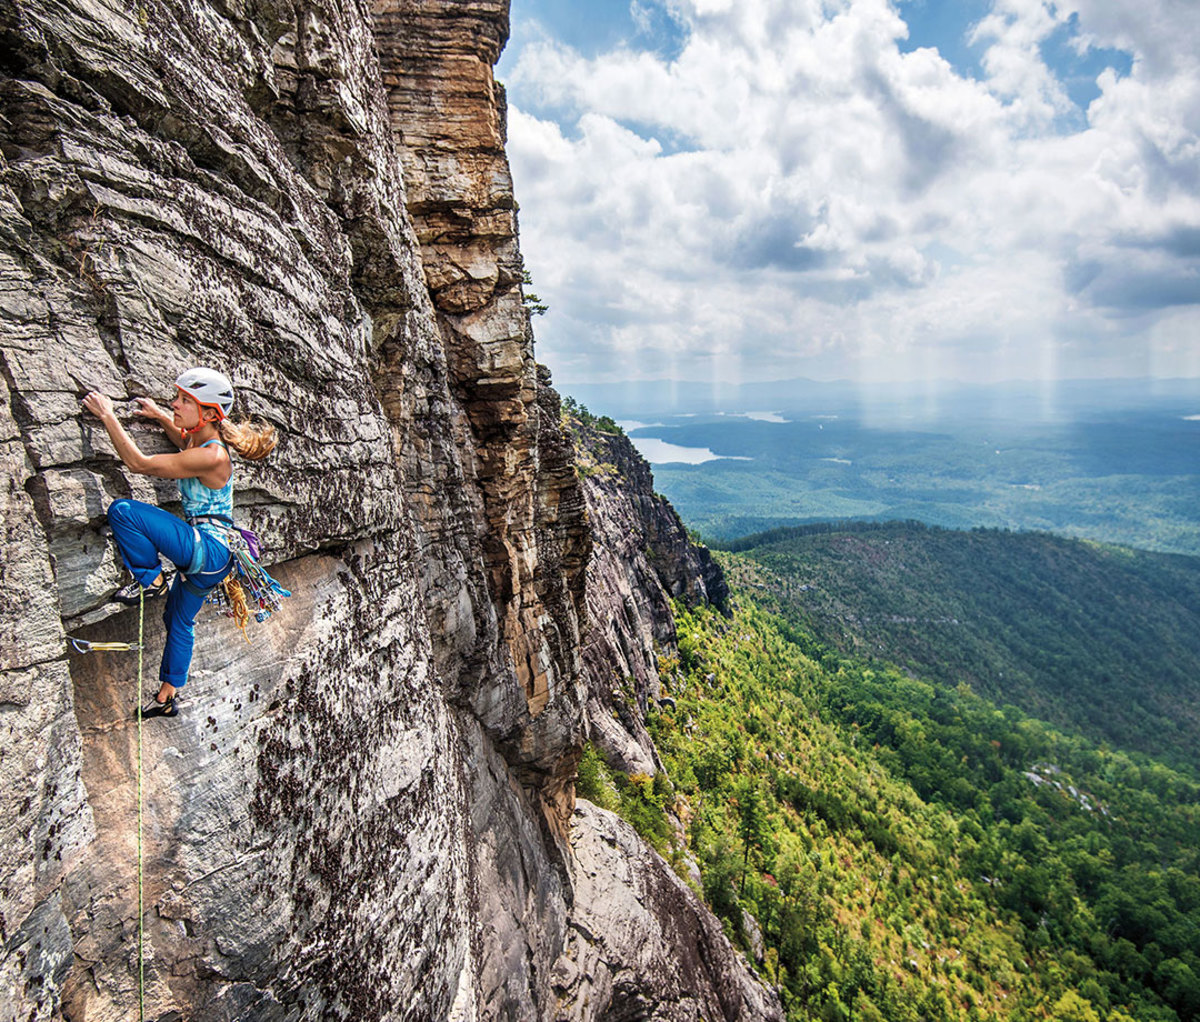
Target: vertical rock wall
[642,559]
[447,114]
[365,813]
[192,183]
[515,659]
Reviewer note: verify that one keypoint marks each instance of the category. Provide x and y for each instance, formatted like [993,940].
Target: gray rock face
[642,559]
[640,944]
[364,813]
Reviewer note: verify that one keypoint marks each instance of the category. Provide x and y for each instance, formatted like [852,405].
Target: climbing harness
[248,588]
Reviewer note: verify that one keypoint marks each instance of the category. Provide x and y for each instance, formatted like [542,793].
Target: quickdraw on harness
[83,646]
[247,589]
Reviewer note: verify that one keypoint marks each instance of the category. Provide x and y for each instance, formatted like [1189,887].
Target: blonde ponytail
[250,440]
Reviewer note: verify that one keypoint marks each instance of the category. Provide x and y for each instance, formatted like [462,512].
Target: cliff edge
[368,812]
[642,559]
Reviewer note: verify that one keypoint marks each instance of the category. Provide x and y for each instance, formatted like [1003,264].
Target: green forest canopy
[1098,638]
[902,848]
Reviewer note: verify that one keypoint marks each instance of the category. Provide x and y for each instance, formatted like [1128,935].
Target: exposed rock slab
[46,822]
[290,813]
[364,814]
[642,559]
[641,946]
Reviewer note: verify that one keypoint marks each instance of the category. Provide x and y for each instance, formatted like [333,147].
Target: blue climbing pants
[143,532]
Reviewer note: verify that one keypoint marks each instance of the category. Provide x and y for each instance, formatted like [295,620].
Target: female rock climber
[200,427]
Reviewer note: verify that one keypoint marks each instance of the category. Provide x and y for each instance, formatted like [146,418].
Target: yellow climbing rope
[141,910]
[84,646]
[235,598]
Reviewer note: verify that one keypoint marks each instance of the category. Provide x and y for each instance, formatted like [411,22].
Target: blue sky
[869,189]
[592,28]
[601,25]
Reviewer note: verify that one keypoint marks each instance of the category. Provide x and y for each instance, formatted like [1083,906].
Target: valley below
[1119,468]
[890,830]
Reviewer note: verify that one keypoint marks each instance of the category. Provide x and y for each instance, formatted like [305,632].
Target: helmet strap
[185,433]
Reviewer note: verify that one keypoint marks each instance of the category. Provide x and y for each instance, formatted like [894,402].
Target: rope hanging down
[84,646]
[141,910]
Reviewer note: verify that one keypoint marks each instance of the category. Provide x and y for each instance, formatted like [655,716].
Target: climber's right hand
[147,409]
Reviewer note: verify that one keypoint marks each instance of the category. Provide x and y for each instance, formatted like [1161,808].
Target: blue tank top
[199,499]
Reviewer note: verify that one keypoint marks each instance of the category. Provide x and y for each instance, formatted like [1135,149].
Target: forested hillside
[894,848]
[1101,639]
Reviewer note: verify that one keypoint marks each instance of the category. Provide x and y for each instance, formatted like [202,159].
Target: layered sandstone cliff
[367,813]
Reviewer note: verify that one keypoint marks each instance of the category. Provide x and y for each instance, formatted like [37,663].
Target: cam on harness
[248,588]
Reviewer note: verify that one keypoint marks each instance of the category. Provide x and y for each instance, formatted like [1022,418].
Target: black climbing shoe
[129,593]
[156,709]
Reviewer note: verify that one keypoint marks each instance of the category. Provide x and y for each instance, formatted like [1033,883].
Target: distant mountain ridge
[1128,476]
[1099,638]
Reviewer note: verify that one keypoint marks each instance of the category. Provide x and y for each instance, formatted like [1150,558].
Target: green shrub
[644,808]
[594,780]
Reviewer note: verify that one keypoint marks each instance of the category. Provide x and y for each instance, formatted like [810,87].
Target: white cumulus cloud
[794,194]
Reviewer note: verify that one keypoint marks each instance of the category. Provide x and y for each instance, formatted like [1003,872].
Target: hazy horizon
[921,400]
[944,381]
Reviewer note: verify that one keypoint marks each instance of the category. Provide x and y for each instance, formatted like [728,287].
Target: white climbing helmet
[208,388]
